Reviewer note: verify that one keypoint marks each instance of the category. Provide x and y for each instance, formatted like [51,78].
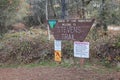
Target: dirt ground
[55,73]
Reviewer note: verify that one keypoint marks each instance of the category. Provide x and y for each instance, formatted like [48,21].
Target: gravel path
[54,73]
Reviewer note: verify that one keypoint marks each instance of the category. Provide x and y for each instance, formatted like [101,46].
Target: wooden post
[47,19]
[63,8]
[82,62]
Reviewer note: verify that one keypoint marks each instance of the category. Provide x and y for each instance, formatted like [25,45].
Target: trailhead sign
[70,29]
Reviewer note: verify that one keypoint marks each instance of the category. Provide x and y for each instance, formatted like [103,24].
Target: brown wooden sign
[70,29]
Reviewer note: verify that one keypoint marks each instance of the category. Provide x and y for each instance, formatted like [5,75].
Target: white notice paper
[81,49]
[57,45]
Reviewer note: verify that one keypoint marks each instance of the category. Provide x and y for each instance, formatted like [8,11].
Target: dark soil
[55,73]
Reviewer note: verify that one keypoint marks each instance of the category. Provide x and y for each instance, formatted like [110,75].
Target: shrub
[24,49]
[67,49]
[105,48]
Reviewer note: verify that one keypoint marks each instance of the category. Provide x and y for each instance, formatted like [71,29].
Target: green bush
[105,48]
[20,49]
[67,49]
[33,46]
[11,12]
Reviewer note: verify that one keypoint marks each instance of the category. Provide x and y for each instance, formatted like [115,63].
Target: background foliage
[26,47]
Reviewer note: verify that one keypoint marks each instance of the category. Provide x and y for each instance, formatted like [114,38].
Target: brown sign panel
[71,29]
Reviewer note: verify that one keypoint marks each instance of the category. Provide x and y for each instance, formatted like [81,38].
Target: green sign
[52,23]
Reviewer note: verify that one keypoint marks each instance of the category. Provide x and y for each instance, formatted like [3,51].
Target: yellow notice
[58,56]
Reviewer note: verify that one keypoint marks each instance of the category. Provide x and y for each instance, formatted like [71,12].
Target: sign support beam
[47,19]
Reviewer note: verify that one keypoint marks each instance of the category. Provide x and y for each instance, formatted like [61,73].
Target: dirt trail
[54,73]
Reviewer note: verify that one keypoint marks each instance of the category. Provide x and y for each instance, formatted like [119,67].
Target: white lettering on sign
[74,24]
[68,36]
[66,24]
[61,20]
[84,20]
[81,49]
[73,20]
[69,29]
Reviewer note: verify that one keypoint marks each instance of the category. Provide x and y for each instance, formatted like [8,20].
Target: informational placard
[81,49]
[57,52]
[70,29]
[57,56]
[57,45]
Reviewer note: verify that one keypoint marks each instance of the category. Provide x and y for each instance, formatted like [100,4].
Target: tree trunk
[51,4]
[83,9]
